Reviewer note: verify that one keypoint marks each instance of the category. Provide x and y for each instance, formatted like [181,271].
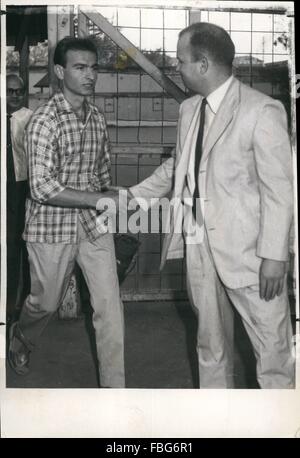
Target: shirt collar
[64,106]
[215,98]
[62,103]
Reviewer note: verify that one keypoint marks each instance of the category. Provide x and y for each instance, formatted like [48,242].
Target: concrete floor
[159,351]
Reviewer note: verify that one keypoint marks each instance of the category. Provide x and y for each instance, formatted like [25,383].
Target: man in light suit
[239,253]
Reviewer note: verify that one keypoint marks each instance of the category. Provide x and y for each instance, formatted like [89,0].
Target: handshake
[114,199]
[113,203]
[121,211]
[112,207]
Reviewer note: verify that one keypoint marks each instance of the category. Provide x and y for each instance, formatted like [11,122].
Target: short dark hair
[72,44]
[211,39]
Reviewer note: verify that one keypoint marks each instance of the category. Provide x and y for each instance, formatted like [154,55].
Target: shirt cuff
[47,191]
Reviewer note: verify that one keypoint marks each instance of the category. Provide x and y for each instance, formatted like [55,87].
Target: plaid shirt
[64,153]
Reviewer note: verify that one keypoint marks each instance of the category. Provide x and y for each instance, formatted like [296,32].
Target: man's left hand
[271,278]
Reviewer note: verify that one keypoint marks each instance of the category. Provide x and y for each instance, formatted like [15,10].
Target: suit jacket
[247,167]
[18,122]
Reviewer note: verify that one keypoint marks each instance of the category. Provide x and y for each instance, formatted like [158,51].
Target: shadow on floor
[159,351]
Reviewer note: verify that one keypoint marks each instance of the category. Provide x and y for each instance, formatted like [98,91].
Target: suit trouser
[51,267]
[268,325]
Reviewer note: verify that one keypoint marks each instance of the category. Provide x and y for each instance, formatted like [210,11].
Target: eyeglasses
[17,92]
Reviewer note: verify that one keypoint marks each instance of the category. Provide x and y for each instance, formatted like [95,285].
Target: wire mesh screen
[137,108]
[127,169]
[140,112]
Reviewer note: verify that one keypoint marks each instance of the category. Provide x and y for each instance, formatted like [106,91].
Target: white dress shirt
[214,100]
[18,121]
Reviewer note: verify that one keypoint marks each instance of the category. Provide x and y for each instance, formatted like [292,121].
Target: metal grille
[146,280]
[140,112]
[138,109]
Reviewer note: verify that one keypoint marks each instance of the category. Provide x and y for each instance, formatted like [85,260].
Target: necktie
[10,168]
[198,153]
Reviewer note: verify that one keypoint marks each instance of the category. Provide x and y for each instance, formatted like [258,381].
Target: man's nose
[91,74]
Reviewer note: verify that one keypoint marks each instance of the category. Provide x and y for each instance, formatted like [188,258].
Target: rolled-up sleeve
[41,149]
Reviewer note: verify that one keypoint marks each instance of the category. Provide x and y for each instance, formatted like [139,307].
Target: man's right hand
[108,202]
[271,278]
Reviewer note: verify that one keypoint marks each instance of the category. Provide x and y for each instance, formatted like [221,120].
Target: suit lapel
[190,129]
[189,134]
[223,117]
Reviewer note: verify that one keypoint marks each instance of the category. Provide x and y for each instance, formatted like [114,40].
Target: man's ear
[203,65]
[59,71]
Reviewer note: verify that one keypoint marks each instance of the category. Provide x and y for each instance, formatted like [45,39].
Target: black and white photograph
[149,220]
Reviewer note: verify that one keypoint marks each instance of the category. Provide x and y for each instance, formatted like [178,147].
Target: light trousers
[268,325]
[51,267]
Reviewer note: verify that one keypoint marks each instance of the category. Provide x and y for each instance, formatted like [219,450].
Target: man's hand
[108,202]
[271,278]
[114,201]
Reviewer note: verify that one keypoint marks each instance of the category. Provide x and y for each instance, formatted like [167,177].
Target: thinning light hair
[210,39]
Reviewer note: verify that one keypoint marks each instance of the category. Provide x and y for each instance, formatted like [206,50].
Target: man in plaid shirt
[69,168]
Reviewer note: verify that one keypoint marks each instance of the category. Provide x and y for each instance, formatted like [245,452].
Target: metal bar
[194,16]
[65,22]
[135,54]
[204,5]
[129,123]
[60,24]
[140,87]
[219,6]
[273,39]
[144,95]
[22,44]
[140,149]
[132,296]
[24,67]
[117,89]
[83,29]
[162,100]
